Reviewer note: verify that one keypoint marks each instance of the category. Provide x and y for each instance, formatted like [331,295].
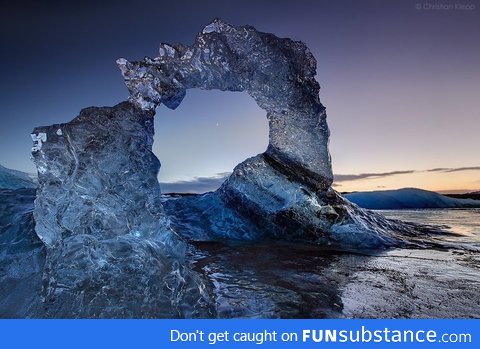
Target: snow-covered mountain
[407,198]
[13,179]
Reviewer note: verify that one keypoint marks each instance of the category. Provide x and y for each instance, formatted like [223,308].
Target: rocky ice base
[111,249]
[211,217]
[269,278]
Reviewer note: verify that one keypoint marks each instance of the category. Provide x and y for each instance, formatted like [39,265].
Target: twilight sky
[401,84]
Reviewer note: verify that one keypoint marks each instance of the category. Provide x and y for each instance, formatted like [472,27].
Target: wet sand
[282,280]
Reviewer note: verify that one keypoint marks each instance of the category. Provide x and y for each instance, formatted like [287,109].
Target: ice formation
[111,250]
[286,191]
[277,73]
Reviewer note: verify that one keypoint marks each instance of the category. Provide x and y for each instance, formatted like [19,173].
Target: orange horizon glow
[443,182]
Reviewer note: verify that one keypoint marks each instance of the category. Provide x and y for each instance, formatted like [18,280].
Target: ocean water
[465,223]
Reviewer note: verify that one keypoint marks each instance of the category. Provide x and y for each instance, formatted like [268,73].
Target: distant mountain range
[410,198]
[13,179]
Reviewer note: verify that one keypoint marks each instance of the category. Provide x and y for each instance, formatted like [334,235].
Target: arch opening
[205,137]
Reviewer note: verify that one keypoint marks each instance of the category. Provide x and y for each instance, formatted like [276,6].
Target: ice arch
[277,73]
[111,248]
[286,191]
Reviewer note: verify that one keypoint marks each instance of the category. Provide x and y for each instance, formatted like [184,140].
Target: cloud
[454,169]
[439,169]
[196,185]
[354,177]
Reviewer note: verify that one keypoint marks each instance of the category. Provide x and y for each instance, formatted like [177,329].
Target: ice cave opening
[205,137]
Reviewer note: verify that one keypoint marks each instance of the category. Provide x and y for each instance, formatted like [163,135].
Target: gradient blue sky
[401,85]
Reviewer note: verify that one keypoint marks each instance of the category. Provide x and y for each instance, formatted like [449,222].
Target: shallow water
[464,222]
[272,279]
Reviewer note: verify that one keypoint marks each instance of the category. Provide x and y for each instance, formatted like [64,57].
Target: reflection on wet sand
[282,280]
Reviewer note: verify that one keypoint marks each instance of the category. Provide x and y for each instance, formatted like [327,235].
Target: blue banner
[185,334]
